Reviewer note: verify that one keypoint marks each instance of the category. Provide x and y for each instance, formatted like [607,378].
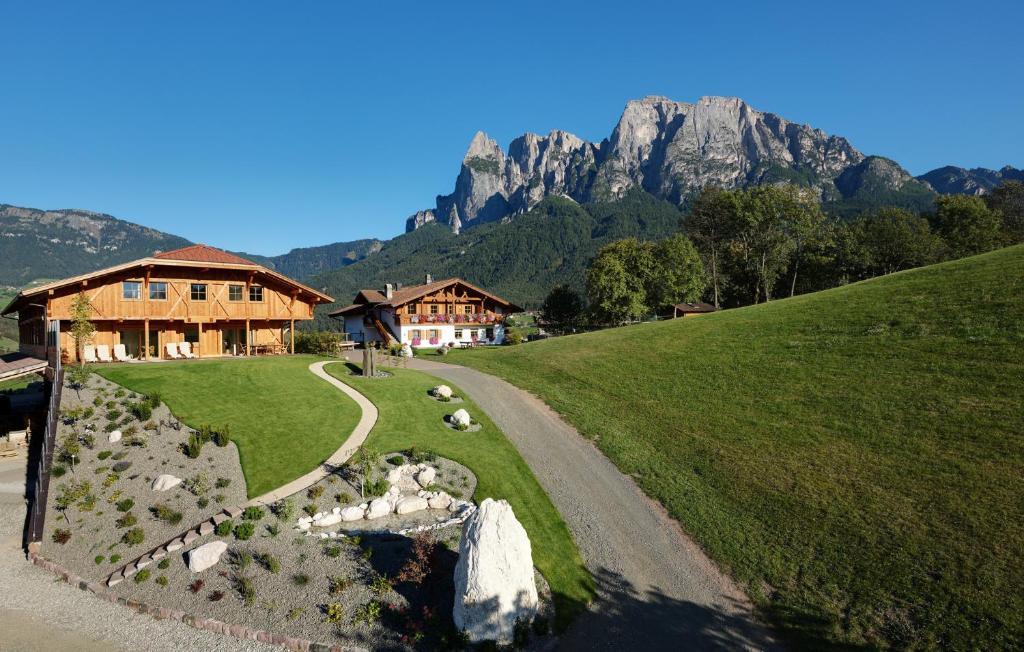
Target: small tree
[367,460]
[562,308]
[82,329]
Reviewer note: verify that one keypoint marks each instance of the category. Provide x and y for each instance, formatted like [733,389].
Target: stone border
[165,613]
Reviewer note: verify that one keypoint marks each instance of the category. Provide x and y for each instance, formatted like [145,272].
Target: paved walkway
[657,590]
[340,456]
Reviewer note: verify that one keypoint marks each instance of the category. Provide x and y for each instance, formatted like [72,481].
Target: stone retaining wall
[165,613]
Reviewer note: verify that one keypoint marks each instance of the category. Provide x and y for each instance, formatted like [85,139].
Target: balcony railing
[473,318]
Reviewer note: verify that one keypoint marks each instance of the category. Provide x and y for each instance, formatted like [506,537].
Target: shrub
[150,426]
[110,480]
[419,455]
[166,514]
[310,509]
[315,492]
[61,536]
[223,528]
[240,559]
[202,503]
[131,438]
[110,427]
[222,483]
[300,579]
[246,589]
[58,471]
[342,497]
[332,551]
[295,613]
[424,556]
[142,576]
[380,585]
[377,487]
[196,586]
[337,585]
[222,436]
[122,466]
[127,520]
[125,505]
[273,530]
[114,415]
[253,513]
[134,536]
[219,498]
[198,485]
[120,455]
[142,410]
[152,399]
[334,613]
[396,460]
[244,531]
[369,613]
[104,454]
[318,342]
[115,558]
[194,447]
[162,580]
[269,562]
[283,509]
[88,440]
[216,596]
[97,401]
[99,559]
[118,393]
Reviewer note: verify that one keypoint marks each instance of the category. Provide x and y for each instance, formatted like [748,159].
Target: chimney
[430,279]
[389,290]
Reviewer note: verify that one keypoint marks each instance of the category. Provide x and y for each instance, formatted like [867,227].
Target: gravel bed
[94,532]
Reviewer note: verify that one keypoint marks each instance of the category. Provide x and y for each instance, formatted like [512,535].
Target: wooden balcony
[475,319]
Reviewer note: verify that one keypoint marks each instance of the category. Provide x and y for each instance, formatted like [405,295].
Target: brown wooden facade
[227,306]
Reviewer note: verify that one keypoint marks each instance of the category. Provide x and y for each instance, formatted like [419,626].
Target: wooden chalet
[451,312]
[692,309]
[221,304]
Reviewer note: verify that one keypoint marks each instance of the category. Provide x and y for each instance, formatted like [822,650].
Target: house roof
[405,295]
[202,256]
[694,307]
[200,253]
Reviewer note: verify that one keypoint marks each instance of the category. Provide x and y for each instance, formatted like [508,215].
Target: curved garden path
[657,590]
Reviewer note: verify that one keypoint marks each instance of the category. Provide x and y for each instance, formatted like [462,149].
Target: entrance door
[233,340]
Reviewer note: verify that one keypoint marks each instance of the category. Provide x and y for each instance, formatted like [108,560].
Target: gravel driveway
[657,590]
[37,612]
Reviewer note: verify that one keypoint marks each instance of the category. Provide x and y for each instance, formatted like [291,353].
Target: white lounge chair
[121,354]
[103,353]
[171,349]
[186,350]
[89,353]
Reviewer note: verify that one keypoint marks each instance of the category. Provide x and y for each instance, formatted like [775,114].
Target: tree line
[752,245]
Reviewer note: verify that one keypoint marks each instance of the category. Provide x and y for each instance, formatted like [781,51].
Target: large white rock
[114,437]
[461,418]
[165,482]
[439,501]
[379,508]
[442,391]
[494,586]
[404,477]
[410,504]
[352,514]
[206,555]
[327,519]
[426,476]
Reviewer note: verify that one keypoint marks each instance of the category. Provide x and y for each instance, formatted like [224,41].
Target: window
[481,333]
[410,309]
[417,334]
[234,293]
[256,293]
[458,333]
[158,291]
[467,309]
[450,309]
[131,290]
[434,309]
[199,291]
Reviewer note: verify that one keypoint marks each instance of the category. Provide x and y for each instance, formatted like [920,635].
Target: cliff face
[669,149]
[952,180]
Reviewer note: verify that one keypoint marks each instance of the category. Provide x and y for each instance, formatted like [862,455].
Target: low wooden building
[450,311]
[692,309]
[221,304]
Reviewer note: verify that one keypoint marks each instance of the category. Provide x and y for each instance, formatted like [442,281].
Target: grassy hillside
[520,260]
[855,457]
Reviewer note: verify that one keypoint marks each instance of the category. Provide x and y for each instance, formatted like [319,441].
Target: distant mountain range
[575,194]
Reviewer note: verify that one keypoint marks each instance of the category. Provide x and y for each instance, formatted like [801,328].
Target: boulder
[206,555]
[426,476]
[327,519]
[114,437]
[410,504]
[494,585]
[379,508]
[442,391]
[165,482]
[461,418]
[403,478]
[441,500]
[351,514]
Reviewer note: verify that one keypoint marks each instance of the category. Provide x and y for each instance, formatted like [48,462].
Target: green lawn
[408,417]
[285,420]
[854,457]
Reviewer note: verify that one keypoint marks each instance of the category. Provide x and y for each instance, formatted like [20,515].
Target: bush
[164,564]
[246,590]
[120,455]
[61,536]
[380,585]
[334,613]
[219,498]
[114,415]
[310,509]
[162,580]
[166,514]
[122,466]
[99,559]
[240,559]
[142,576]
[295,613]
[377,487]
[222,483]
[396,460]
[198,485]
[142,411]
[222,436]
[194,447]
[196,586]
[269,562]
[127,520]
[58,471]
[110,480]
[118,393]
[153,400]
[111,426]
[315,492]
[134,536]
[332,551]
[369,613]
[318,342]
[104,454]
[97,401]
[115,558]
[273,530]
[202,503]
[283,509]
[337,585]
[253,513]
[216,596]
[244,531]
[223,528]
[300,579]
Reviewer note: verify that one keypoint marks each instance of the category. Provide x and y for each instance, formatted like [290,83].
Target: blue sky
[262,126]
